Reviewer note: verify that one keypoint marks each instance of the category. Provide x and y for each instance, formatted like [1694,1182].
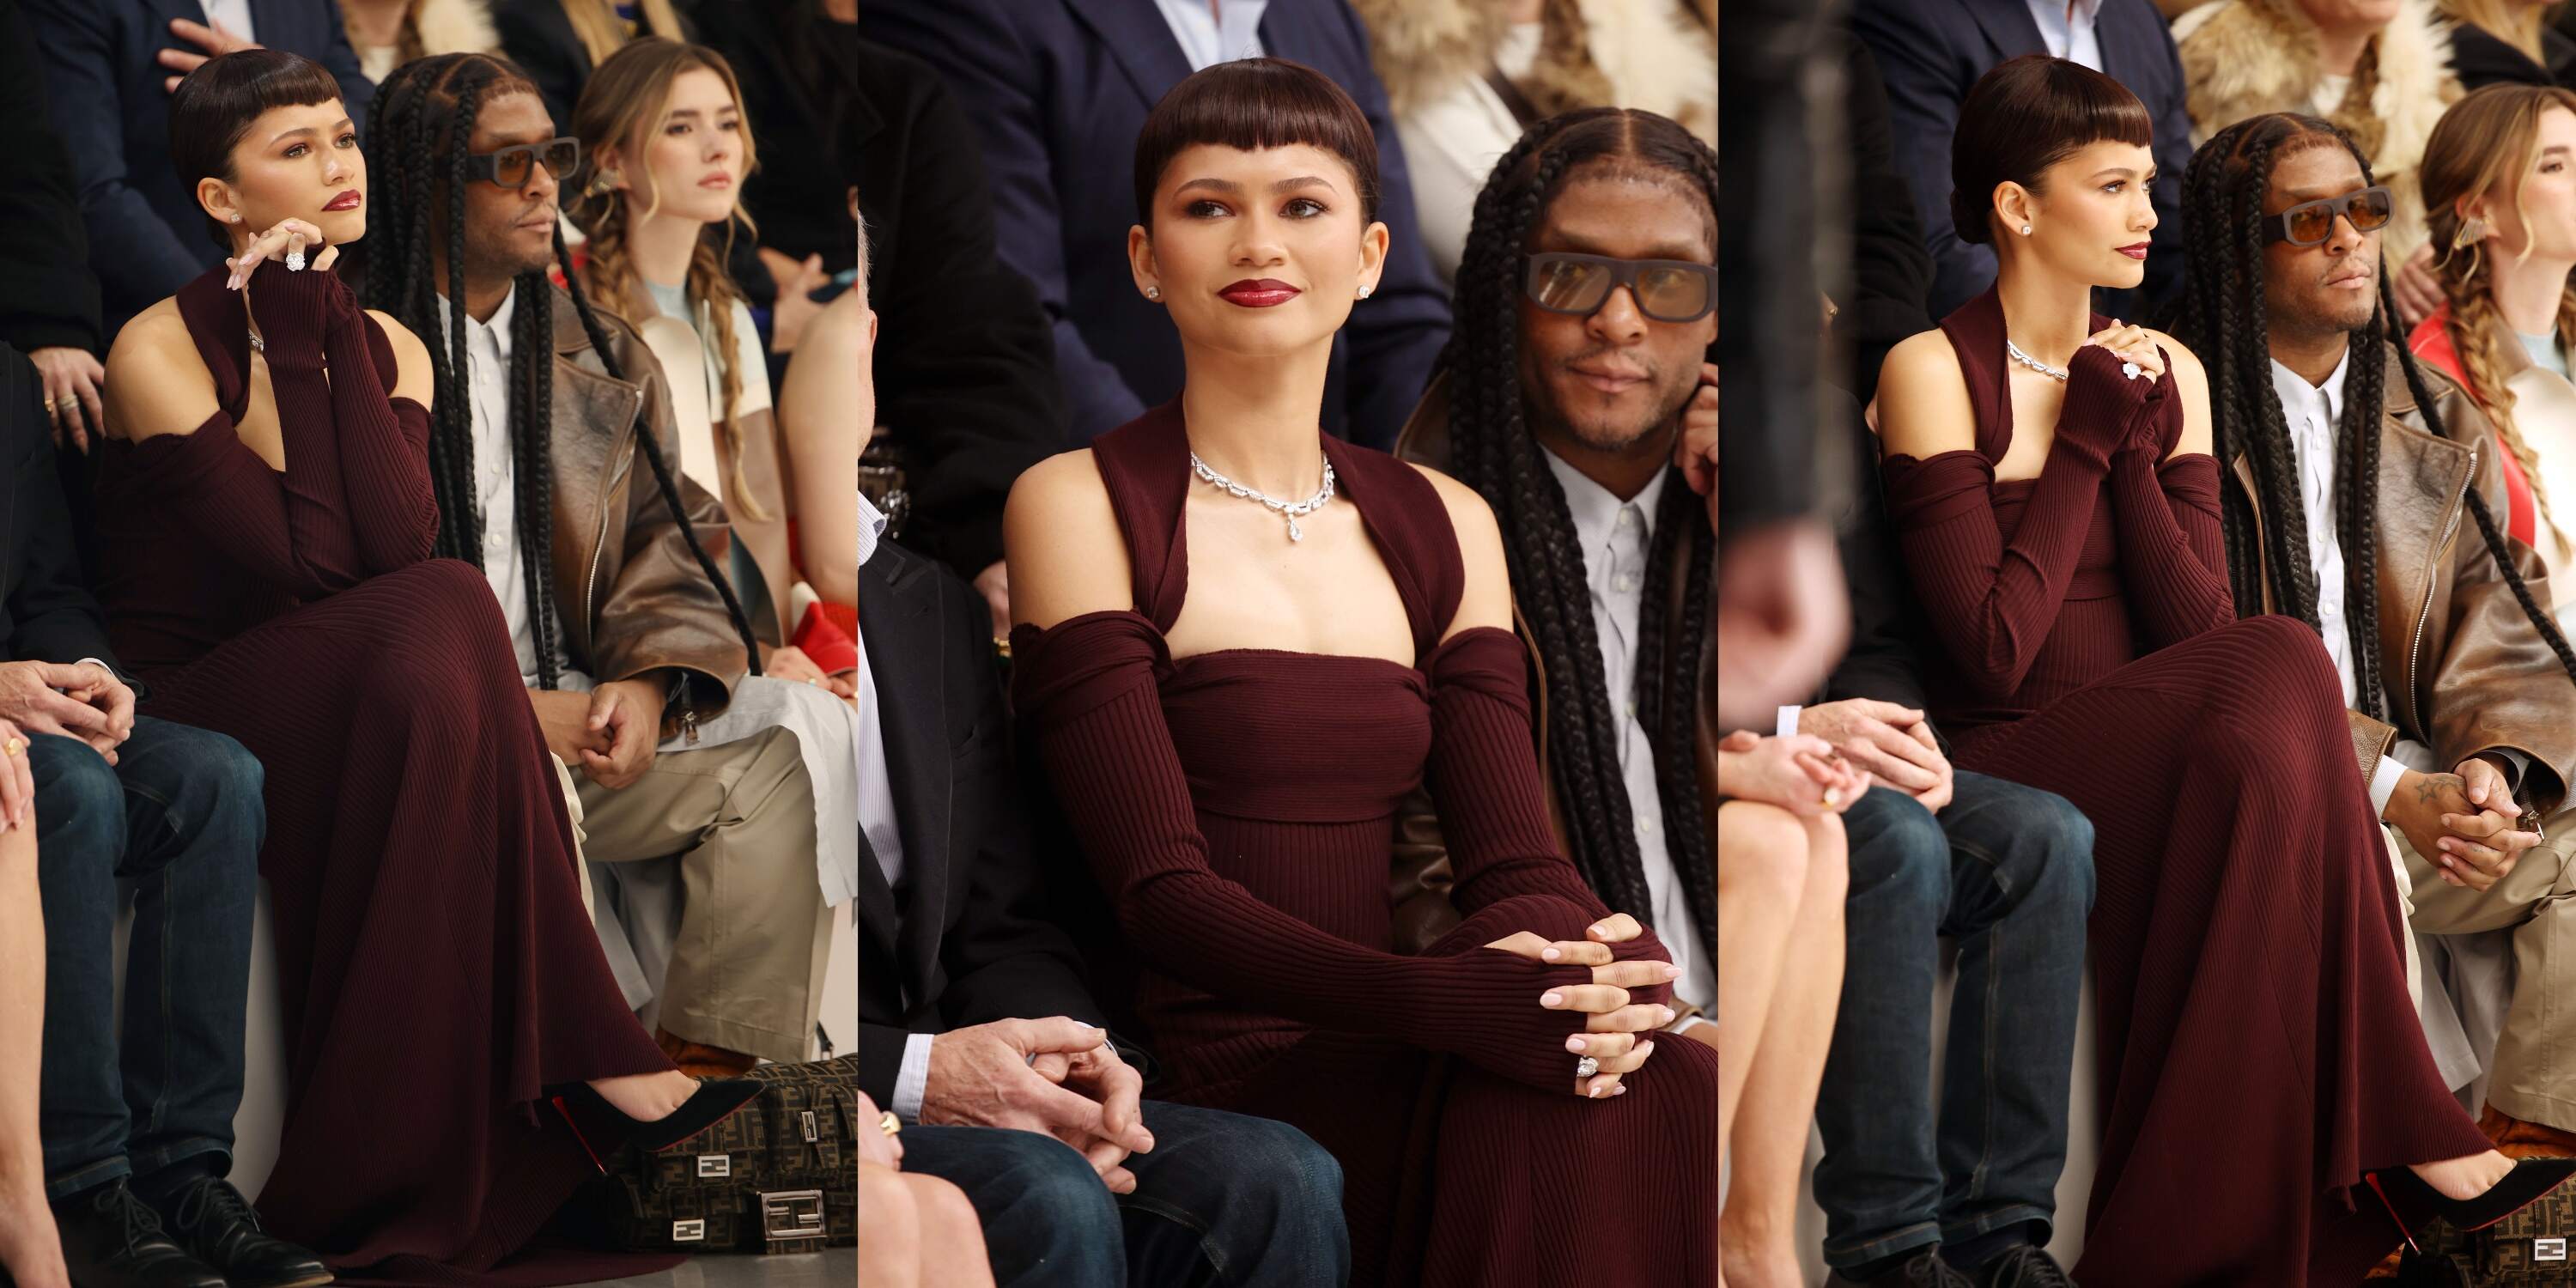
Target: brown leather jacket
[1418,883]
[2466,673]
[632,596]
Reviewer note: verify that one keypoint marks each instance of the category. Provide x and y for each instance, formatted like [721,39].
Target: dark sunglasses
[1667,290]
[2310,223]
[511,167]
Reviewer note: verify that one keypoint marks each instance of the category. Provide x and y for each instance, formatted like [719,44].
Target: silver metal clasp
[792,1220]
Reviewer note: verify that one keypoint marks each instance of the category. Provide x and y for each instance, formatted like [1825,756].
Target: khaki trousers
[2533,1073]
[747,966]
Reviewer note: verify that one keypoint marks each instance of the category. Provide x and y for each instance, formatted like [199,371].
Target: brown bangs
[2026,115]
[1256,103]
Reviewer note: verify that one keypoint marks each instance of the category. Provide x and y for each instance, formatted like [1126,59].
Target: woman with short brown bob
[2268,1099]
[1241,643]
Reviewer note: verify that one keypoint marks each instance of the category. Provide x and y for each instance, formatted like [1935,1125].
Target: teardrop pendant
[1295,533]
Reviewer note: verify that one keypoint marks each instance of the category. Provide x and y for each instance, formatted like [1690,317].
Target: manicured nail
[1620,1090]
[1551,999]
[1595,1093]
[1549,954]
[1668,1014]
[1646,1047]
[1671,971]
[1601,930]
[1574,1043]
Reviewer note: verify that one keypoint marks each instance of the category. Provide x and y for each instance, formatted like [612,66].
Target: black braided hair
[2221,316]
[1494,452]
[429,106]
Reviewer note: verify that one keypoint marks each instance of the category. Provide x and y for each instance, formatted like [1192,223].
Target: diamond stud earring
[1364,291]
[1153,292]
[2025,230]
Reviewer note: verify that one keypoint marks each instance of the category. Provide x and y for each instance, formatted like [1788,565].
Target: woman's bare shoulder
[1060,533]
[1923,405]
[156,382]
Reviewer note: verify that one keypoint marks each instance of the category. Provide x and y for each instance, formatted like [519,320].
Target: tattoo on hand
[2428,791]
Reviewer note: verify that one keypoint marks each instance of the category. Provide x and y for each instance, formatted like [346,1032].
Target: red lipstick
[349,199]
[2138,251]
[1260,293]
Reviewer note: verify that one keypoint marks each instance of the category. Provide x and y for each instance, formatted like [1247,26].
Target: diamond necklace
[1291,510]
[2054,373]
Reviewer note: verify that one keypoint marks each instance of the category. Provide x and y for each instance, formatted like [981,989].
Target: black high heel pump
[596,1123]
[2412,1202]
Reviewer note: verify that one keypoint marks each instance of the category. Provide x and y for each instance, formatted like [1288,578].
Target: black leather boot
[212,1220]
[111,1239]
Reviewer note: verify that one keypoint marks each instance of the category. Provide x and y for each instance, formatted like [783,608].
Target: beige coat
[758,487]
[2244,58]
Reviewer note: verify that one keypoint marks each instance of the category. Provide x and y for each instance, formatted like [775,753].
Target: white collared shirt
[231,15]
[1214,31]
[2067,27]
[2313,413]
[487,385]
[1614,536]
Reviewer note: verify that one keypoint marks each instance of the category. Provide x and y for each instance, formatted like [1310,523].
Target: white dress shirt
[2067,28]
[232,16]
[1214,31]
[1614,536]
[2313,412]
[487,368]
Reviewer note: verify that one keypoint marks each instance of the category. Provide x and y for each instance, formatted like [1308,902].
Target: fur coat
[431,27]
[1591,52]
[2243,58]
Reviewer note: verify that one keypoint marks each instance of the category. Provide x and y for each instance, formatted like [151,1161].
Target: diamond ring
[295,261]
[1586,1067]
[2129,369]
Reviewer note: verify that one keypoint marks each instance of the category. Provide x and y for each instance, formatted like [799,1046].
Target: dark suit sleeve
[1397,332]
[53,615]
[965,365]
[553,58]
[1917,65]
[1883,663]
[2165,97]
[880,1063]
[340,58]
[1891,270]
[1004,958]
[986,60]
[47,296]
[132,249]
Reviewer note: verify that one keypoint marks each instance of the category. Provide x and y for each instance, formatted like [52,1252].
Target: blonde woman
[2500,186]
[388,33]
[558,42]
[662,126]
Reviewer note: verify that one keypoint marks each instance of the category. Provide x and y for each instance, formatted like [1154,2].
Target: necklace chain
[1290,510]
[2054,373]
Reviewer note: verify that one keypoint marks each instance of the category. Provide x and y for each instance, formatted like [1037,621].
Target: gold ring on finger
[888,1123]
[14,746]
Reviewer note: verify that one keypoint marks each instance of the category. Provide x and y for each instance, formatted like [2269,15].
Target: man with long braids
[552,456]
[1568,387]
[2368,507]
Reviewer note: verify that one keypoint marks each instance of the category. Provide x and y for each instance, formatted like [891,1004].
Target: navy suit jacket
[1931,51]
[147,237]
[1058,90]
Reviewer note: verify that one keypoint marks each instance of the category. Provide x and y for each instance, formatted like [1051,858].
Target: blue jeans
[1221,1199]
[180,816]
[2007,871]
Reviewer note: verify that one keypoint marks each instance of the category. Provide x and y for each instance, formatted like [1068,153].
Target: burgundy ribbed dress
[436,962]
[1238,807]
[2257,1046]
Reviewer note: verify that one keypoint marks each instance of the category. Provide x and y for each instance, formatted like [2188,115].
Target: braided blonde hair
[624,101]
[2486,143]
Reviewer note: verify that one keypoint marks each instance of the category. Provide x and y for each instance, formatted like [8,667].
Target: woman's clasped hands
[1613,1022]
